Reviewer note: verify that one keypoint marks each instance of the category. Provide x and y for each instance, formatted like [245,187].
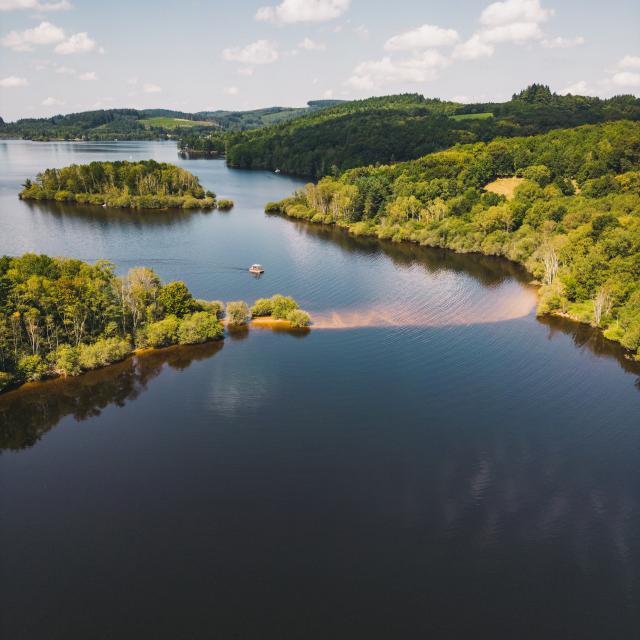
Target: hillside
[148,124]
[573,218]
[403,127]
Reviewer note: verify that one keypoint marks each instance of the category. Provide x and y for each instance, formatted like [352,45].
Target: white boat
[277,171]
[256,268]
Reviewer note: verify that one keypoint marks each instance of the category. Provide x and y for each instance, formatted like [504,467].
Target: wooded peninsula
[565,204]
[61,316]
[145,184]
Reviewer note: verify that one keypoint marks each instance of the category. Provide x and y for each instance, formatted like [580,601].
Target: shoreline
[629,355]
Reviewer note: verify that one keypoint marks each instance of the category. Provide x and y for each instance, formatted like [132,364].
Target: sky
[62,56]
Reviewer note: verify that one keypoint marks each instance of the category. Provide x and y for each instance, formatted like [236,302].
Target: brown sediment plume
[509,308]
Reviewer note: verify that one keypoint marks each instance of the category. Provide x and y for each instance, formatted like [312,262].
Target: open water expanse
[430,461]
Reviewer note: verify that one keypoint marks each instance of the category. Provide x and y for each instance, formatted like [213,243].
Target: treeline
[145,184]
[60,316]
[210,144]
[398,128]
[101,124]
[573,219]
[149,124]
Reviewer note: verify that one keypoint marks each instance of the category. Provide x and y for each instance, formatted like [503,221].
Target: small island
[144,184]
[63,317]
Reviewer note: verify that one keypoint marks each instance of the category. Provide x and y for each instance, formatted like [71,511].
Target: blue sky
[59,56]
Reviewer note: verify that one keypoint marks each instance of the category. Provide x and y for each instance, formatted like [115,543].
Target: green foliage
[262,307]
[282,306]
[298,318]
[6,380]
[199,327]
[62,316]
[397,128]
[583,245]
[216,307]
[238,313]
[225,205]
[272,207]
[161,333]
[176,299]
[145,184]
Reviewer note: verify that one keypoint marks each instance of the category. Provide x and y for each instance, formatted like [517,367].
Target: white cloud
[424,37]
[149,87]
[311,45]
[133,81]
[65,71]
[473,48]
[12,5]
[562,43]
[245,71]
[626,79]
[44,33]
[88,76]
[291,11]
[580,88]
[258,52]
[77,43]
[231,91]
[517,32]
[328,94]
[376,74]
[512,11]
[52,102]
[629,62]
[12,82]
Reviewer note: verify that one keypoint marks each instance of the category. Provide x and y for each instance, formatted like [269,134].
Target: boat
[277,171]
[256,268]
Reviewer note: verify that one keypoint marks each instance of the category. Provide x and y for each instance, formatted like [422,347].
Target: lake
[430,461]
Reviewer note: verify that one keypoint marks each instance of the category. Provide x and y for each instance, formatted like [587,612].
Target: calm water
[443,465]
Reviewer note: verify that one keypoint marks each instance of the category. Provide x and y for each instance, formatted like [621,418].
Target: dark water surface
[445,465]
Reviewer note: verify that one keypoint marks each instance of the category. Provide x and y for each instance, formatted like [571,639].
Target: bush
[272,207]
[6,380]
[161,333]
[31,368]
[102,352]
[225,205]
[282,305]
[262,307]
[238,313]
[299,318]
[216,307]
[64,360]
[199,327]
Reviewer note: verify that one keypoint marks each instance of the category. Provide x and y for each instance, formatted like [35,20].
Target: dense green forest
[573,218]
[396,128]
[145,184]
[60,316]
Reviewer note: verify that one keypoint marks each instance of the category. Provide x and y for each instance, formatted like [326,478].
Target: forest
[403,127]
[571,215]
[145,184]
[60,316]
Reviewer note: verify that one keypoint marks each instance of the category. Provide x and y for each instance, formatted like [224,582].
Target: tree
[176,299]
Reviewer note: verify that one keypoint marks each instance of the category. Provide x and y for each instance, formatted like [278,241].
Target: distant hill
[395,128]
[134,124]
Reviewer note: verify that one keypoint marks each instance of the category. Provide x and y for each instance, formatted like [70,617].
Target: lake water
[431,461]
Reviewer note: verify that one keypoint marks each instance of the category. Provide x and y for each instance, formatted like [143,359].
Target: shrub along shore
[145,184]
[62,317]
[572,218]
